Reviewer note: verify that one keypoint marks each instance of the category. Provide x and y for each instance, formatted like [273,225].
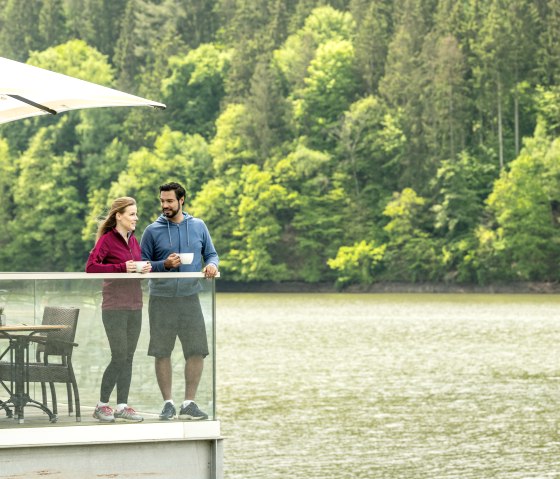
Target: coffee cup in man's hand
[186,258]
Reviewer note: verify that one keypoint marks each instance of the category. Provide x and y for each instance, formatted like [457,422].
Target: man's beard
[170,212]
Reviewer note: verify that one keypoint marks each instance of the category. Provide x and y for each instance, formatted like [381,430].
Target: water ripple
[389,386]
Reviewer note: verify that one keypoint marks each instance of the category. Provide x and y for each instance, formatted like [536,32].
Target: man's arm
[147,245]
[209,253]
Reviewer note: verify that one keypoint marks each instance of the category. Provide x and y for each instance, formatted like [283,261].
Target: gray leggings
[123,330]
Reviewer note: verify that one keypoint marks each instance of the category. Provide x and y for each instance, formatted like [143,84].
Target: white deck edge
[34,276]
[108,434]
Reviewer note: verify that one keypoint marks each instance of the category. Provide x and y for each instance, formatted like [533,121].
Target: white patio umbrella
[27,91]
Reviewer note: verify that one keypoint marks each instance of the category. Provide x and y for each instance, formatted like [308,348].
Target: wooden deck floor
[34,418]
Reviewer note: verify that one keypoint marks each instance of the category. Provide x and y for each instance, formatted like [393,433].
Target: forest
[343,141]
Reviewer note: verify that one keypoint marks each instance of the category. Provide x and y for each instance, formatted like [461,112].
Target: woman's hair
[110,221]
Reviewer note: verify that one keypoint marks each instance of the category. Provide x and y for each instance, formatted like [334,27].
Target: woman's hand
[130,266]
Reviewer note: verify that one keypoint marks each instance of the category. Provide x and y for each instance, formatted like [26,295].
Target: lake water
[389,386]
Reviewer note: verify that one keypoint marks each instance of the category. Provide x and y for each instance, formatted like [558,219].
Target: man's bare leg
[193,373]
[164,377]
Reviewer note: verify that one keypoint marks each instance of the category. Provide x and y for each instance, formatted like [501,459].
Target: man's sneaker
[192,413]
[168,412]
[104,414]
[128,414]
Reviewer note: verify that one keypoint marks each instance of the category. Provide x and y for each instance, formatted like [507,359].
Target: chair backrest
[59,315]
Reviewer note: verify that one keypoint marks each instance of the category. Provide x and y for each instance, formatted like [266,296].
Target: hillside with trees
[351,141]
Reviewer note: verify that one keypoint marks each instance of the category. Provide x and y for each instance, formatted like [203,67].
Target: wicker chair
[55,344]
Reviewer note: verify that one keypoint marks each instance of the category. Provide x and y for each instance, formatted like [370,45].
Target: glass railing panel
[17,297]
[25,299]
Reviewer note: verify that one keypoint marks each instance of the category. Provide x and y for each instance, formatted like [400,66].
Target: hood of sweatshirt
[185,222]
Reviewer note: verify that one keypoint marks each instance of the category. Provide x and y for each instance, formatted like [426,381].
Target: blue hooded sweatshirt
[164,237]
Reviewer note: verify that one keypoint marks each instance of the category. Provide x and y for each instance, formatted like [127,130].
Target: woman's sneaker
[104,414]
[191,412]
[128,414]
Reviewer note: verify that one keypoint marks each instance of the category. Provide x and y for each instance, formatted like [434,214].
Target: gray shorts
[176,317]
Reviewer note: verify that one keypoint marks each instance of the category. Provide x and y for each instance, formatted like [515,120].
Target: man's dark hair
[176,187]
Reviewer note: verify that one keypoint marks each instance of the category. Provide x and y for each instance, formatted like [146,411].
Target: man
[174,307]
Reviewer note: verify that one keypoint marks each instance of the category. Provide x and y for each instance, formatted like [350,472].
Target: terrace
[66,447]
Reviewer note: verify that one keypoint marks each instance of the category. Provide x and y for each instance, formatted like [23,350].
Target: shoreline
[529,287]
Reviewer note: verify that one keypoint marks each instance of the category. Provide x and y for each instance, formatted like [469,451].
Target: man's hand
[210,270]
[172,261]
[147,268]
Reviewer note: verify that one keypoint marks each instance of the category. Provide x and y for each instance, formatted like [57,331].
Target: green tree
[194,90]
[267,110]
[315,224]
[547,105]
[446,104]
[505,50]
[324,24]
[7,182]
[233,145]
[48,209]
[79,19]
[411,254]
[357,264]
[370,143]
[200,23]
[329,90]
[252,28]
[461,189]
[253,254]
[126,63]
[401,89]
[548,64]
[373,33]
[52,23]
[525,207]
[217,204]
[19,34]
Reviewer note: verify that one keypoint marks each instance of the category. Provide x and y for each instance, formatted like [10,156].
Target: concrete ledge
[175,450]
[109,434]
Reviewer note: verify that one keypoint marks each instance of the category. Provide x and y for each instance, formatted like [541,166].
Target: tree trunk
[500,132]
[516,122]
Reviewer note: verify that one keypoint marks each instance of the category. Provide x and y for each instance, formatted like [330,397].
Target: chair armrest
[43,340]
[63,342]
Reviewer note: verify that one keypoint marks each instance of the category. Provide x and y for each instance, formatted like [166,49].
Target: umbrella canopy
[27,91]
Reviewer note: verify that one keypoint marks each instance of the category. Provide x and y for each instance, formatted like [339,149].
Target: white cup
[140,265]
[186,258]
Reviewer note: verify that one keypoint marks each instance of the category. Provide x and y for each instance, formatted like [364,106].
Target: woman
[116,250]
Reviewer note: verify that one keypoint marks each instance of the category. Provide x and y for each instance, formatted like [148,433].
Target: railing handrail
[54,275]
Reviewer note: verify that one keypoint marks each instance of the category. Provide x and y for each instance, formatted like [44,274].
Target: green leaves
[194,89]
[355,144]
[357,264]
[524,206]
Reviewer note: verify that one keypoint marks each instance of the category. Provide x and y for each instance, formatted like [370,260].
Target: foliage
[411,254]
[524,205]
[349,141]
[197,79]
[46,199]
[357,263]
